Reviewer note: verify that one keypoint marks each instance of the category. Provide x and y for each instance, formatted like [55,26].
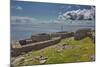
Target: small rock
[59,50]
[92,57]
[37,57]
[31,59]
[27,54]
[18,60]
[42,58]
[42,61]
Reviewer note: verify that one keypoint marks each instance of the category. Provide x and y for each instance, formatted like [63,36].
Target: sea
[25,30]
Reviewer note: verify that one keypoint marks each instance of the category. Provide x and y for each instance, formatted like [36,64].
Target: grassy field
[68,50]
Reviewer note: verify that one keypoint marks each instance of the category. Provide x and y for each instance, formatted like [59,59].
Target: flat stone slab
[18,60]
[42,61]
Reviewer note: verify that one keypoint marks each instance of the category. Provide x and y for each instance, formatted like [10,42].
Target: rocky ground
[68,50]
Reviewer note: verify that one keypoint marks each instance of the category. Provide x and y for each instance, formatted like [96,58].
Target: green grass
[81,51]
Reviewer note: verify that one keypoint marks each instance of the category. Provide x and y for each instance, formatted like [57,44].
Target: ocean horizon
[24,31]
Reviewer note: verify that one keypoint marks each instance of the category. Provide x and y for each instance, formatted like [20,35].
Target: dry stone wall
[35,46]
[44,40]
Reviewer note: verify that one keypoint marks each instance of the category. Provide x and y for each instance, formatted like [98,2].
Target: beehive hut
[82,33]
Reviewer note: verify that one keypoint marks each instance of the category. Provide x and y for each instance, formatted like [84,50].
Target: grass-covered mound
[68,50]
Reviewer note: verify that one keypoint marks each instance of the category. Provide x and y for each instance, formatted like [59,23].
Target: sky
[42,11]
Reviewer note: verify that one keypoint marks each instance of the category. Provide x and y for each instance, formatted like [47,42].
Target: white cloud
[78,14]
[27,20]
[61,17]
[22,20]
[19,8]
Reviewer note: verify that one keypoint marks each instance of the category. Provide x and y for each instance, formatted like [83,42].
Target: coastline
[26,45]
[65,51]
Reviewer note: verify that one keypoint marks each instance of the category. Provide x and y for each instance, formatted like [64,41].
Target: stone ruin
[39,41]
[62,34]
[40,37]
[82,33]
[35,38]
[36,42]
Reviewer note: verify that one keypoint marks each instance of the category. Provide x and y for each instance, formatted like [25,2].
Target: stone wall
[38,41]
[44,37]
[82,33]
[63,34]
[34,46]
[40,37]
[25,41]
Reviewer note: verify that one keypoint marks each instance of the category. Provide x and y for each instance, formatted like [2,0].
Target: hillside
[68,50]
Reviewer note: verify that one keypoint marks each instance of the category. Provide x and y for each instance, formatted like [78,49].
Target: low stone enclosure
[39,41]
[82,33]
[34,46]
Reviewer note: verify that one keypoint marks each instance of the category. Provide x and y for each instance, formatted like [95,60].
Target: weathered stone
[27,60]
[28,41]
[15,44]
[37,57]
[82,33]
[19,59]
[43,58]
[40,37]
[60,48]
[22,42]
[63,34]
[92,57]
[25,41]
[42,61]
[35,46]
